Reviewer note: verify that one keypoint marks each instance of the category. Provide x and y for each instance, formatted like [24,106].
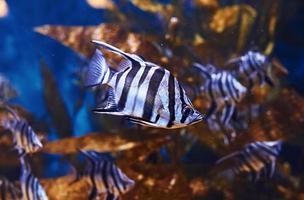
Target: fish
[143,92]
[30,186]
[106,178]
[8,189]
[255,159]
[223,90]
[254,67]
[25,140]
[7,91]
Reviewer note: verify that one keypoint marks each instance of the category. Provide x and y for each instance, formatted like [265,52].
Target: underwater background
[45,45]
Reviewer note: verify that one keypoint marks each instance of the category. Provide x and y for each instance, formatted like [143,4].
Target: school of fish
[148,95]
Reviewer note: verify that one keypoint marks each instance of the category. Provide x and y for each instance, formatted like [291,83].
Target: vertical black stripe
[23,134]
[151,93]
[181,92]
[144,75]
[171,90]
[230,89]
[37,188]
[104,174]
[115,177]
[252,64]
[129,79]
[119,75]
[220,83]
[184,114]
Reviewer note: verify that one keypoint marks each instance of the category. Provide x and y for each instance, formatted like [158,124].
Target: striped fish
[106,178]
[8,190]
[30,186]
[254,67]
[255,159]
[142,91]
[223,90]
[25,139]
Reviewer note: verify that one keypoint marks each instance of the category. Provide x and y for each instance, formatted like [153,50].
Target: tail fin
[203,69]
[96,70]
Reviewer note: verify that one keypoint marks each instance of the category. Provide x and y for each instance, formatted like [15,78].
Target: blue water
[21,50]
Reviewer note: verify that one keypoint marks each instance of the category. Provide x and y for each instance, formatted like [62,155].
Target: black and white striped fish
[30,186]
[255,159]
[224,91]
[254,67]
[106,178]
[8,190]
[143,91]
[25,139]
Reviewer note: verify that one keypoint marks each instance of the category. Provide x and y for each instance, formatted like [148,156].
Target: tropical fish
[25,139]
[7,91]
[8,189]
[255,159]
[224,91]
[254,67]
[30,186]
[106,178]
[142,91]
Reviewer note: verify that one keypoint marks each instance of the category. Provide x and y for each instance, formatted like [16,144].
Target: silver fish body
[25,139]
[223,90]
[255,158]
[30,186]
[254,67]
[143,91]
[106,178]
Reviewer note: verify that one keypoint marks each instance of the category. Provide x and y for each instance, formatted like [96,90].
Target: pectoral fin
[106,100]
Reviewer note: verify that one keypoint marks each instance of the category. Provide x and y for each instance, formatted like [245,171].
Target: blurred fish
[223,90]
[7,91]
[105,177]
[55,103]
[30,186]
[8,190]
[144,92]
[25,140]
[255,67]
[254,158]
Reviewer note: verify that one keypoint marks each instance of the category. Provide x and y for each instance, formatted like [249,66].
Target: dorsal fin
[203,69]
[112,49]
[124,64]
